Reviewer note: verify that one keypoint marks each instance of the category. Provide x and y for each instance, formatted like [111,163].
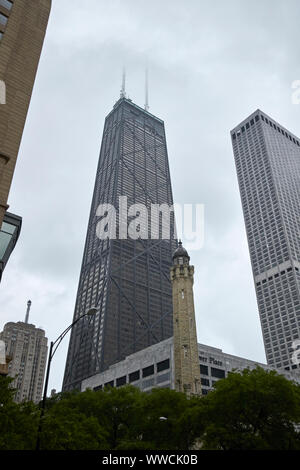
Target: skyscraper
[267,158]
[127,279]
[23,26]
[26,349]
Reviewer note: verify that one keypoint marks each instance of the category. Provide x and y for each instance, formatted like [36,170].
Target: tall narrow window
[6,4]
[3,19]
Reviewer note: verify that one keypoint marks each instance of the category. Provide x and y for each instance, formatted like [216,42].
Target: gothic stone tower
[186,360]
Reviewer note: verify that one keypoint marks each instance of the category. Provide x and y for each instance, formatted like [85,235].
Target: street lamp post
[52,351]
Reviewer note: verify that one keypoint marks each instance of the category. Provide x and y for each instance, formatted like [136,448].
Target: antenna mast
[28,310]
[147,91]
[123,89]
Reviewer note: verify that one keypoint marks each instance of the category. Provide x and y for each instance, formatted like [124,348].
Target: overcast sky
[210,64]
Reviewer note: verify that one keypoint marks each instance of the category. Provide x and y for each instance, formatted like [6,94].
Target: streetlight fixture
[90,312]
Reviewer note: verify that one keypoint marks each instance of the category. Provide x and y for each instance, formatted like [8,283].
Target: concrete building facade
[23,26]
[26,346]
[153,367]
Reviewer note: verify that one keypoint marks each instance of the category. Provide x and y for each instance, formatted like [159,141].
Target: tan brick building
[186,359]
[23,26]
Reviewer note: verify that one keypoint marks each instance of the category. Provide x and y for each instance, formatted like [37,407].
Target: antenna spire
[147,90]
[123,89]
[28,310]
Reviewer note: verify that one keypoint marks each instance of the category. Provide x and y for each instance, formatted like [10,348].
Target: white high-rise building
[26,345]
[267,158]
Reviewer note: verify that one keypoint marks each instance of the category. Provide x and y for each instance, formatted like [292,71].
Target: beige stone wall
[186,360]
[20,50]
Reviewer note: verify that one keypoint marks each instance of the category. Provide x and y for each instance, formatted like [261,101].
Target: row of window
[243,128]
[282,131]
[276,275]
[272,124]
[4,18]
[136,375]
[217,373]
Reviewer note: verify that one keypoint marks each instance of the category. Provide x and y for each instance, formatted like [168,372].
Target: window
[219,373]
[148,383]
[203,370]
[121,381]
[96,389]
[163,378]
[109,384]
[6,4]
[134,376]
[148,371]
[8,228]
[163,365]
[205,382]
[6,233]
[3,19]
[4,242]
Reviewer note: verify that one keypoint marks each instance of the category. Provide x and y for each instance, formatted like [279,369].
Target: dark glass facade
[267,158]
[127,279]
[9,234]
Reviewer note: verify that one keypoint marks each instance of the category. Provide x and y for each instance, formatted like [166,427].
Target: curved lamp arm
[90,312]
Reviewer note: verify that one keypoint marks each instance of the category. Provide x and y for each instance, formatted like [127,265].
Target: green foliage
[115,411]
[191,424]
[249,410]
[161,414]
[252,410]
[6,391]
[18,423]
[66,428]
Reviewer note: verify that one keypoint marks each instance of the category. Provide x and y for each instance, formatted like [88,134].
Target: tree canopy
[248,410]
[252,410]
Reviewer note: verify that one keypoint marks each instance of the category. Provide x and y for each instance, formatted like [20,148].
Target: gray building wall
[140,364]
[213,362]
